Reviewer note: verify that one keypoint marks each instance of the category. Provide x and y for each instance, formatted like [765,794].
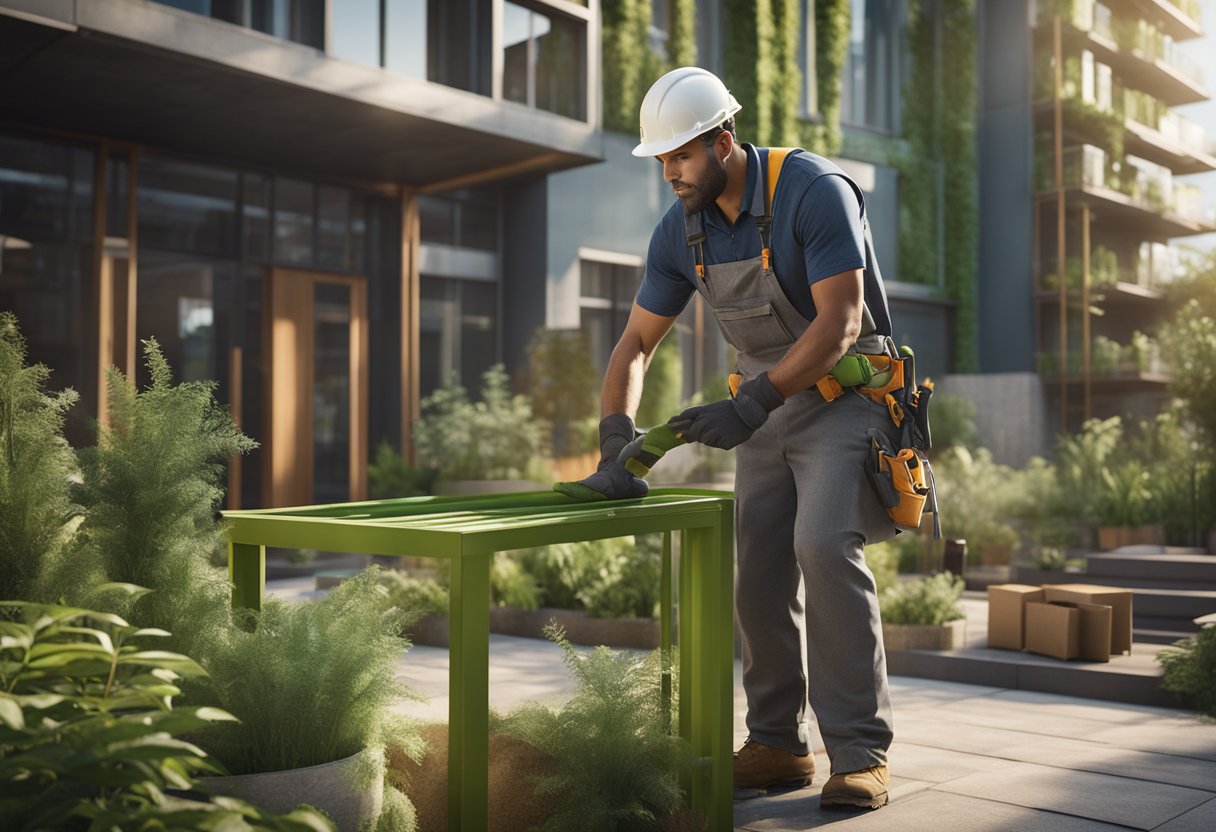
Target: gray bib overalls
[803,511]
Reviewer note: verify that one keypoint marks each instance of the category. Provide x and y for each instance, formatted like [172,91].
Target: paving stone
[1123,762]
[1139,804]
[1071,706]
[929,811]
[1200,819]
[1012,716]
[938,765]
[970,739]
[1183,735]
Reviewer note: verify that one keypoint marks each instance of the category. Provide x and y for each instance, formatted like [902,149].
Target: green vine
[939,192]
[748,65]
[832,19]
[682,39]
[629,64]
[787,80]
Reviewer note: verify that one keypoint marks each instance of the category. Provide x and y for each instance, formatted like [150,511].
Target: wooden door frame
[290,362]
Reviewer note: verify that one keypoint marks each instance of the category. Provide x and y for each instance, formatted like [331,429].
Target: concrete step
[1176,604]
[1135,678]
[1163,637]
[1163,567]
[1143,583]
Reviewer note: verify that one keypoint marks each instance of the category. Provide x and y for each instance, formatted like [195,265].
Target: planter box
[331,787]
[642,633]
[1114,537]
[995,554]
[949,636]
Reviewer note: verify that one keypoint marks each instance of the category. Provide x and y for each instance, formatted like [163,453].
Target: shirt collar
[749,205]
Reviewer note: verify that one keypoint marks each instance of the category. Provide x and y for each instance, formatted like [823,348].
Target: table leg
[665,609]
[247,571]
[707,656]
[469,692]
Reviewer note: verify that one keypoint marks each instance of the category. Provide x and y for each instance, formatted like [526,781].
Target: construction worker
[793,289]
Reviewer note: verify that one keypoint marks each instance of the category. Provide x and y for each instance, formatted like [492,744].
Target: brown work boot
[759,766]
[865,789]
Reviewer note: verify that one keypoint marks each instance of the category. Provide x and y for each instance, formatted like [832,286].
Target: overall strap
[694,232]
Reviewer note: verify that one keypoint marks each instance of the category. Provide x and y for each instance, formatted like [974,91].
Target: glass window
[293,220]
[871,78]
[333,222]
[544,61]
[606,293]
[331,393]
[405,46]
[255,216]
[437,221]
[459,332]
[187,207]
[117,180]
[356,31]
[302,21]
[46,189]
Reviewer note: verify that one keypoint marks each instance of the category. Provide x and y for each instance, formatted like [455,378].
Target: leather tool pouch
[901,479]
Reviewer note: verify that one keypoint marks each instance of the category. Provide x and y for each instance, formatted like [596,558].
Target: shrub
[953,422]
[89,735]
[883,560]
[35,466]
[495,438]
[564,385]
[612,578]
[1190,668]
[1189,339]
[311,683]
[973,492]
[664,382]
[388,476]
[416,596]
[932,601]
[615,764]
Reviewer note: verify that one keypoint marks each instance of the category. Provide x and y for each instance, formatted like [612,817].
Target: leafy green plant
[564,386]
[630,65]
[1190,668]
[389,476]
[495,438]
[931,601]
[953,422]
[89,736]
[883,561]
[612,578]
[664,379]
[974,493]
[417,596]
[35,467]
[150,490]
[616,766]
[1126,499]
[1189,339]
[311,683]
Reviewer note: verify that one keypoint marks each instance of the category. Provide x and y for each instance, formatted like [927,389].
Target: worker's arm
[837,323]
[622,390]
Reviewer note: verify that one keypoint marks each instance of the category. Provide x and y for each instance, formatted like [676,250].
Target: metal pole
[1061,269]
[1086,378]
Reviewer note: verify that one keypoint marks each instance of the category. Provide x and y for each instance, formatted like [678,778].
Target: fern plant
[615,766]
[928,601]
[311,683]
[1190,668]
[35,467]
[150,489]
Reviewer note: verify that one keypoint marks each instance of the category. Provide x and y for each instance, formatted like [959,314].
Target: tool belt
[901,475]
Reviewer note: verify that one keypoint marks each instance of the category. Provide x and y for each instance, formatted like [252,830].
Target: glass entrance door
[317,434]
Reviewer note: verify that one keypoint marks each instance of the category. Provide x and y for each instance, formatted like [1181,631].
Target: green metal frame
[468,531]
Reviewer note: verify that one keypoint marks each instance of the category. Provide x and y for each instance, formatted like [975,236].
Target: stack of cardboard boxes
[1066,621]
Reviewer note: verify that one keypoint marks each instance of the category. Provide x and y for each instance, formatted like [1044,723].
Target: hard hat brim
[657,148]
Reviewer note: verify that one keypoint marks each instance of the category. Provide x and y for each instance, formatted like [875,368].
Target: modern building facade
[312,202]
[1074,260]
[332,207]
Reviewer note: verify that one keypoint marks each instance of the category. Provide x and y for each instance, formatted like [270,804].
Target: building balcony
[1179,20]
[1180,155]
[174,80]
[1147,219]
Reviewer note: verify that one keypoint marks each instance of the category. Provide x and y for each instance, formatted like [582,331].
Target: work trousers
[804,509]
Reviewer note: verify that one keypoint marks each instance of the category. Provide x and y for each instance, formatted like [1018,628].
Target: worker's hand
[730,422]
[610,481]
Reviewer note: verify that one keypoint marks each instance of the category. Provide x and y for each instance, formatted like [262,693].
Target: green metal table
[468,531]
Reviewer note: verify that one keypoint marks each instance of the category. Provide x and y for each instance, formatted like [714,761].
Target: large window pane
[606,296]
[46,189]
[871,78]
[560,64]
[334,224]
[255,211]
[302,21]
[331,394]
[459,332]
[186,207]
[436,220]
[356,31]
[516,41]
[405,47]
[293,221]
[478,330]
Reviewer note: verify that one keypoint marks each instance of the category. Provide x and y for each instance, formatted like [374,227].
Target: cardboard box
[1053,629]
[1095,632]
[1119,600]
[1006,614]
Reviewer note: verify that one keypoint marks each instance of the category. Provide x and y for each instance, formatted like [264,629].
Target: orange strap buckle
[897,412]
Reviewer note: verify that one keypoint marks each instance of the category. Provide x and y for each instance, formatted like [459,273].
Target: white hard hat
[682,105]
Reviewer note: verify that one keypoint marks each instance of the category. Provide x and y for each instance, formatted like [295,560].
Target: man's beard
[705,194]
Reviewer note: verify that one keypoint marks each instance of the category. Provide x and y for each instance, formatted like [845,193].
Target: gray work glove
[610,481]
[730,422]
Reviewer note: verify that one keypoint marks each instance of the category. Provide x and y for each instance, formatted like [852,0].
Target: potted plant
[923,614]
[89,734]
[1126,509]
[481,447]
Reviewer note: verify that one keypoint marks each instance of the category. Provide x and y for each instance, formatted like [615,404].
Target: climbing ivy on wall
[761,68]
[939,199]
[831,45]
[682,39]
[629,64]
[787,81]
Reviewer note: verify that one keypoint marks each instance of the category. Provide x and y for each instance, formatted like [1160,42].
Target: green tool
[640,455]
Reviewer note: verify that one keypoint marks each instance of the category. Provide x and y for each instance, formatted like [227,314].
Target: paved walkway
[966,758]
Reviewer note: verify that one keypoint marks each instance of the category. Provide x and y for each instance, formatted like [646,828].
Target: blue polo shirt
[816,232]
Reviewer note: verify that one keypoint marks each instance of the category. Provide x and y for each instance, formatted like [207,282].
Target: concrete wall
[1006,302]
[1010,413]
[525,207]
